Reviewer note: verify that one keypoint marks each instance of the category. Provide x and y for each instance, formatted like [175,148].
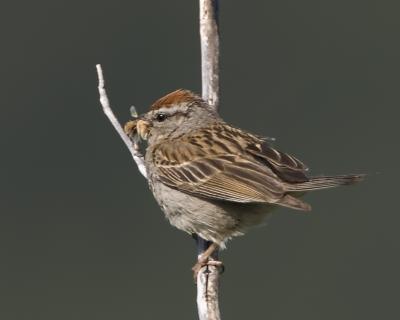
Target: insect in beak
[130,128]
[143,129]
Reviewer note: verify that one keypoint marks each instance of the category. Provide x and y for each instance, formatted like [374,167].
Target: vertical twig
[209,38]
[207,287]
[208,277]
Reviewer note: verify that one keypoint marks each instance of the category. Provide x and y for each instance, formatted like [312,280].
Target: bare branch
[105,102]
[209,35]
[207,294]
[208,276]
[207,284]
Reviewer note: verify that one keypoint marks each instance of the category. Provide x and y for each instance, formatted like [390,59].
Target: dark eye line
[161,116]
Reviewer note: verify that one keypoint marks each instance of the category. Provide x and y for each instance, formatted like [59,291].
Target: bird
[213,179]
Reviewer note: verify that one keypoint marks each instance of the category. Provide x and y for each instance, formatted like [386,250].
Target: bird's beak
[143,128]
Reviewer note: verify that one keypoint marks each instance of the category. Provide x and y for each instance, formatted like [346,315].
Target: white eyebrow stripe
[175,108]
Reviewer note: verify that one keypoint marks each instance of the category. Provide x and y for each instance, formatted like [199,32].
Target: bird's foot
[203,263]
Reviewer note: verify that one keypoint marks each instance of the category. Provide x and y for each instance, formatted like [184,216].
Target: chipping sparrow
[215,180]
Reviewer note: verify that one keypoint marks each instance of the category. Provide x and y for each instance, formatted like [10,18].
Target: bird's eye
[161,116]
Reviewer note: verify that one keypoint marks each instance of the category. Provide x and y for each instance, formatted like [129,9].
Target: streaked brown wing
[284,165]
[237,141]
[231,177]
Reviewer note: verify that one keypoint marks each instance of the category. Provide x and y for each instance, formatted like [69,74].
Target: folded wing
[231,175]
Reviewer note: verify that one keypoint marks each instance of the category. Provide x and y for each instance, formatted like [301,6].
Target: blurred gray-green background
[80,234]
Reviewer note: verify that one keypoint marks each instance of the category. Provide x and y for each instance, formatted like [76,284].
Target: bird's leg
[204,259]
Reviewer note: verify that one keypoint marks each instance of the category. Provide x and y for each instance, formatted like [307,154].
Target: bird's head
[171,116]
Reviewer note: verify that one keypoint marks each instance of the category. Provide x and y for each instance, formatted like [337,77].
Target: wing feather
[233,166]
[222,177]
[284,165]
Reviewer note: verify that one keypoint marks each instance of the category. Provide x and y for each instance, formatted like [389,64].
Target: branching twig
[105,103]
[208,277]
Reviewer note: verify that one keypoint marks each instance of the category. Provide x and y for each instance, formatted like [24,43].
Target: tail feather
[294,203]
[316,183]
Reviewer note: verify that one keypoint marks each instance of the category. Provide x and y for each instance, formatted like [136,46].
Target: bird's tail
[316,183]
